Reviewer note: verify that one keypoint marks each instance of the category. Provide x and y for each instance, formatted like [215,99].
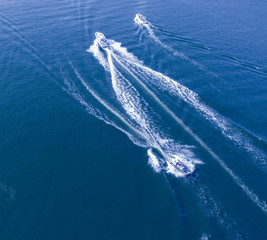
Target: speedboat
[140,19]
[173,160]
[101,39]
[179,166]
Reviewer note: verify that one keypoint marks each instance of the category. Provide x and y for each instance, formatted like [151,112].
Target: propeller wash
[132,84]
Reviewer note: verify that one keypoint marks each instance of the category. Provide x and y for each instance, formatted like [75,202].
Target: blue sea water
[80,127]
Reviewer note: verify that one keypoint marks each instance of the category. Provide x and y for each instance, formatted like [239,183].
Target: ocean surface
[85,132]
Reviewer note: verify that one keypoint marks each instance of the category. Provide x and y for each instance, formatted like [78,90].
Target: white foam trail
[129,104]
[74,93]
[176,53]
[177,90]
[117,46]
[248,191]
[110,108]
[71,89]
[153,161]
[134,105]
[205,237]
[171,113]
[192,98]
[213,209]
[94,49]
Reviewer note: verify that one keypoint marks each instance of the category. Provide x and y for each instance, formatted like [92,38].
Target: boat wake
[149,26]
[126,71]
[163,150]
[242,139]
[138,119]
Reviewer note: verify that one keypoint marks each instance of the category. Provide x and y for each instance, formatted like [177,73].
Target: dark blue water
[81,127]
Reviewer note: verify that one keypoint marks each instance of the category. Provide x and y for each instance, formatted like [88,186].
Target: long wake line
[152,138]
[229,132]
[248,191]
[35,53]
[149,26]
[131,61]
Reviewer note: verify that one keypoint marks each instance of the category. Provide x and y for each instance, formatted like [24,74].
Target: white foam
[116,47]
[115,112]
[229,131]
[132,103]
[173,171]
[153,161]
[176,53]
[205,237]
[94,49]
[74,93]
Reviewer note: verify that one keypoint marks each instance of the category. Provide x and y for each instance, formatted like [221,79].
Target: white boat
[175,162]
[178,165]
[140,19]
[101,39]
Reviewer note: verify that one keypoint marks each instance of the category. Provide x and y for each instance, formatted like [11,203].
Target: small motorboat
[179,166]
[101,39]
[140,19]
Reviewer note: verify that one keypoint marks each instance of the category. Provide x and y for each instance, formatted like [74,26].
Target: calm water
[80,126]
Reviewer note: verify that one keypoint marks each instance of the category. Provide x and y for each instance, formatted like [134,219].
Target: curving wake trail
[160,82]
[162,147]
[140,111]
[149,26]
[230,131]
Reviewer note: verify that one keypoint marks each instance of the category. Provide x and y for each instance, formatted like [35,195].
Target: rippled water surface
[88,134]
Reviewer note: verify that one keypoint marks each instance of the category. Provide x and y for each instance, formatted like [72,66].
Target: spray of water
[134,105]
[161,82]
[176,53]
[130,100]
